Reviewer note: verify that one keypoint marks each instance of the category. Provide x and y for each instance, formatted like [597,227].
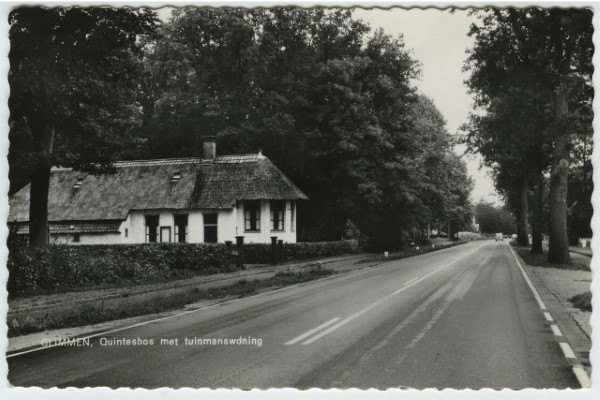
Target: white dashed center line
[322,332]
[315,330]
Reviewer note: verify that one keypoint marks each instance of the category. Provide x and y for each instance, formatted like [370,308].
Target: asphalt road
[462,317]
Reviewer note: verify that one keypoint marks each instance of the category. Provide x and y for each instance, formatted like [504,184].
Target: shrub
[582,301]
[260,253]
[469,236]
[62,267]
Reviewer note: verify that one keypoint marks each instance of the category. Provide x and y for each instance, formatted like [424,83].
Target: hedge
[62,266]
[258,253]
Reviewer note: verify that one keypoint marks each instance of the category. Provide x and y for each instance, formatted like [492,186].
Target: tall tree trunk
[522,233]
[39,190]
[536,226]
[558,251]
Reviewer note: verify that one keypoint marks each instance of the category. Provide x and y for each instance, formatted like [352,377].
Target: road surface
[462,317]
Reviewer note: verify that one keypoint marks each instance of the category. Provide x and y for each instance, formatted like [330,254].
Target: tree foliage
[494,219]
[73,81]
[531,76]
[329,101]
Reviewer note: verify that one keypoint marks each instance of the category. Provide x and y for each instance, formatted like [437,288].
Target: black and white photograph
[298,197]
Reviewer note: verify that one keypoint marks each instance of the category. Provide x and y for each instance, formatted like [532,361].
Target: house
[195,200]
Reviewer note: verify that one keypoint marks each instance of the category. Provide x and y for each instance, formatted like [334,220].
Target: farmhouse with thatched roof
[208,199]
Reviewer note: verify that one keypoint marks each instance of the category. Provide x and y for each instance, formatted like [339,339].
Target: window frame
[156,227]
[248,220]
[177,226]
[279,207]
[214,225]
[292,216]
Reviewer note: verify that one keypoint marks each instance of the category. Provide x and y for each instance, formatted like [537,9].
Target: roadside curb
[574,343]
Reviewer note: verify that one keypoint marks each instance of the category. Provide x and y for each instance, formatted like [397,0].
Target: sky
[438,40]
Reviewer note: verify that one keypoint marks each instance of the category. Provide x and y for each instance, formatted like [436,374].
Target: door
[165,234]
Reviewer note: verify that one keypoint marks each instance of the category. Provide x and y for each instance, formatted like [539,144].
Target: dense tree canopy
[494,219]
[330,101]
[73,82]
[536,62]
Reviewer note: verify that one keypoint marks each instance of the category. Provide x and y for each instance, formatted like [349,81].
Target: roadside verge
[225,288]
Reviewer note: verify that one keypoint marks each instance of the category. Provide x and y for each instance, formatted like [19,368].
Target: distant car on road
[499,236]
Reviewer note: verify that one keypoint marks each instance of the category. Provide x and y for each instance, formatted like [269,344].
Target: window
[252,216]
[210,228]
[277,214]
[151,228]
[181,228]
[293,216]
[126,232]
[76,238]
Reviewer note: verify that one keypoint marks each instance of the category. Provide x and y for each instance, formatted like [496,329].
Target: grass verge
[89,314]
[541,260]
[582,301]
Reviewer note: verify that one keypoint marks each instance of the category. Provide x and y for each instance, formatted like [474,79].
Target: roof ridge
[179,160]
[159,159]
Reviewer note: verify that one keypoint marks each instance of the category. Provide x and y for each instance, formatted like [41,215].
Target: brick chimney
[209,148]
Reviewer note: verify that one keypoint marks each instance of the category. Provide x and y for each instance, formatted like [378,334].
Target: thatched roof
[67,227]
[154,185]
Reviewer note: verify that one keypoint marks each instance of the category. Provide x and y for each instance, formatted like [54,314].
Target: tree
[331,105]
[581,171]
[550,50]
[510,136]
[72,80]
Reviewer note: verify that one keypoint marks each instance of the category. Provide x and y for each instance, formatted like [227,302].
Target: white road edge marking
[548,317]
[567,351]
[580,373]
[375,304]
[556,330]
[314,330]
[582,377]
[535,292]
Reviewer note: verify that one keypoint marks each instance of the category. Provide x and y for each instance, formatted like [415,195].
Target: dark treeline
[530,72]
[328,100]
[494,219]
